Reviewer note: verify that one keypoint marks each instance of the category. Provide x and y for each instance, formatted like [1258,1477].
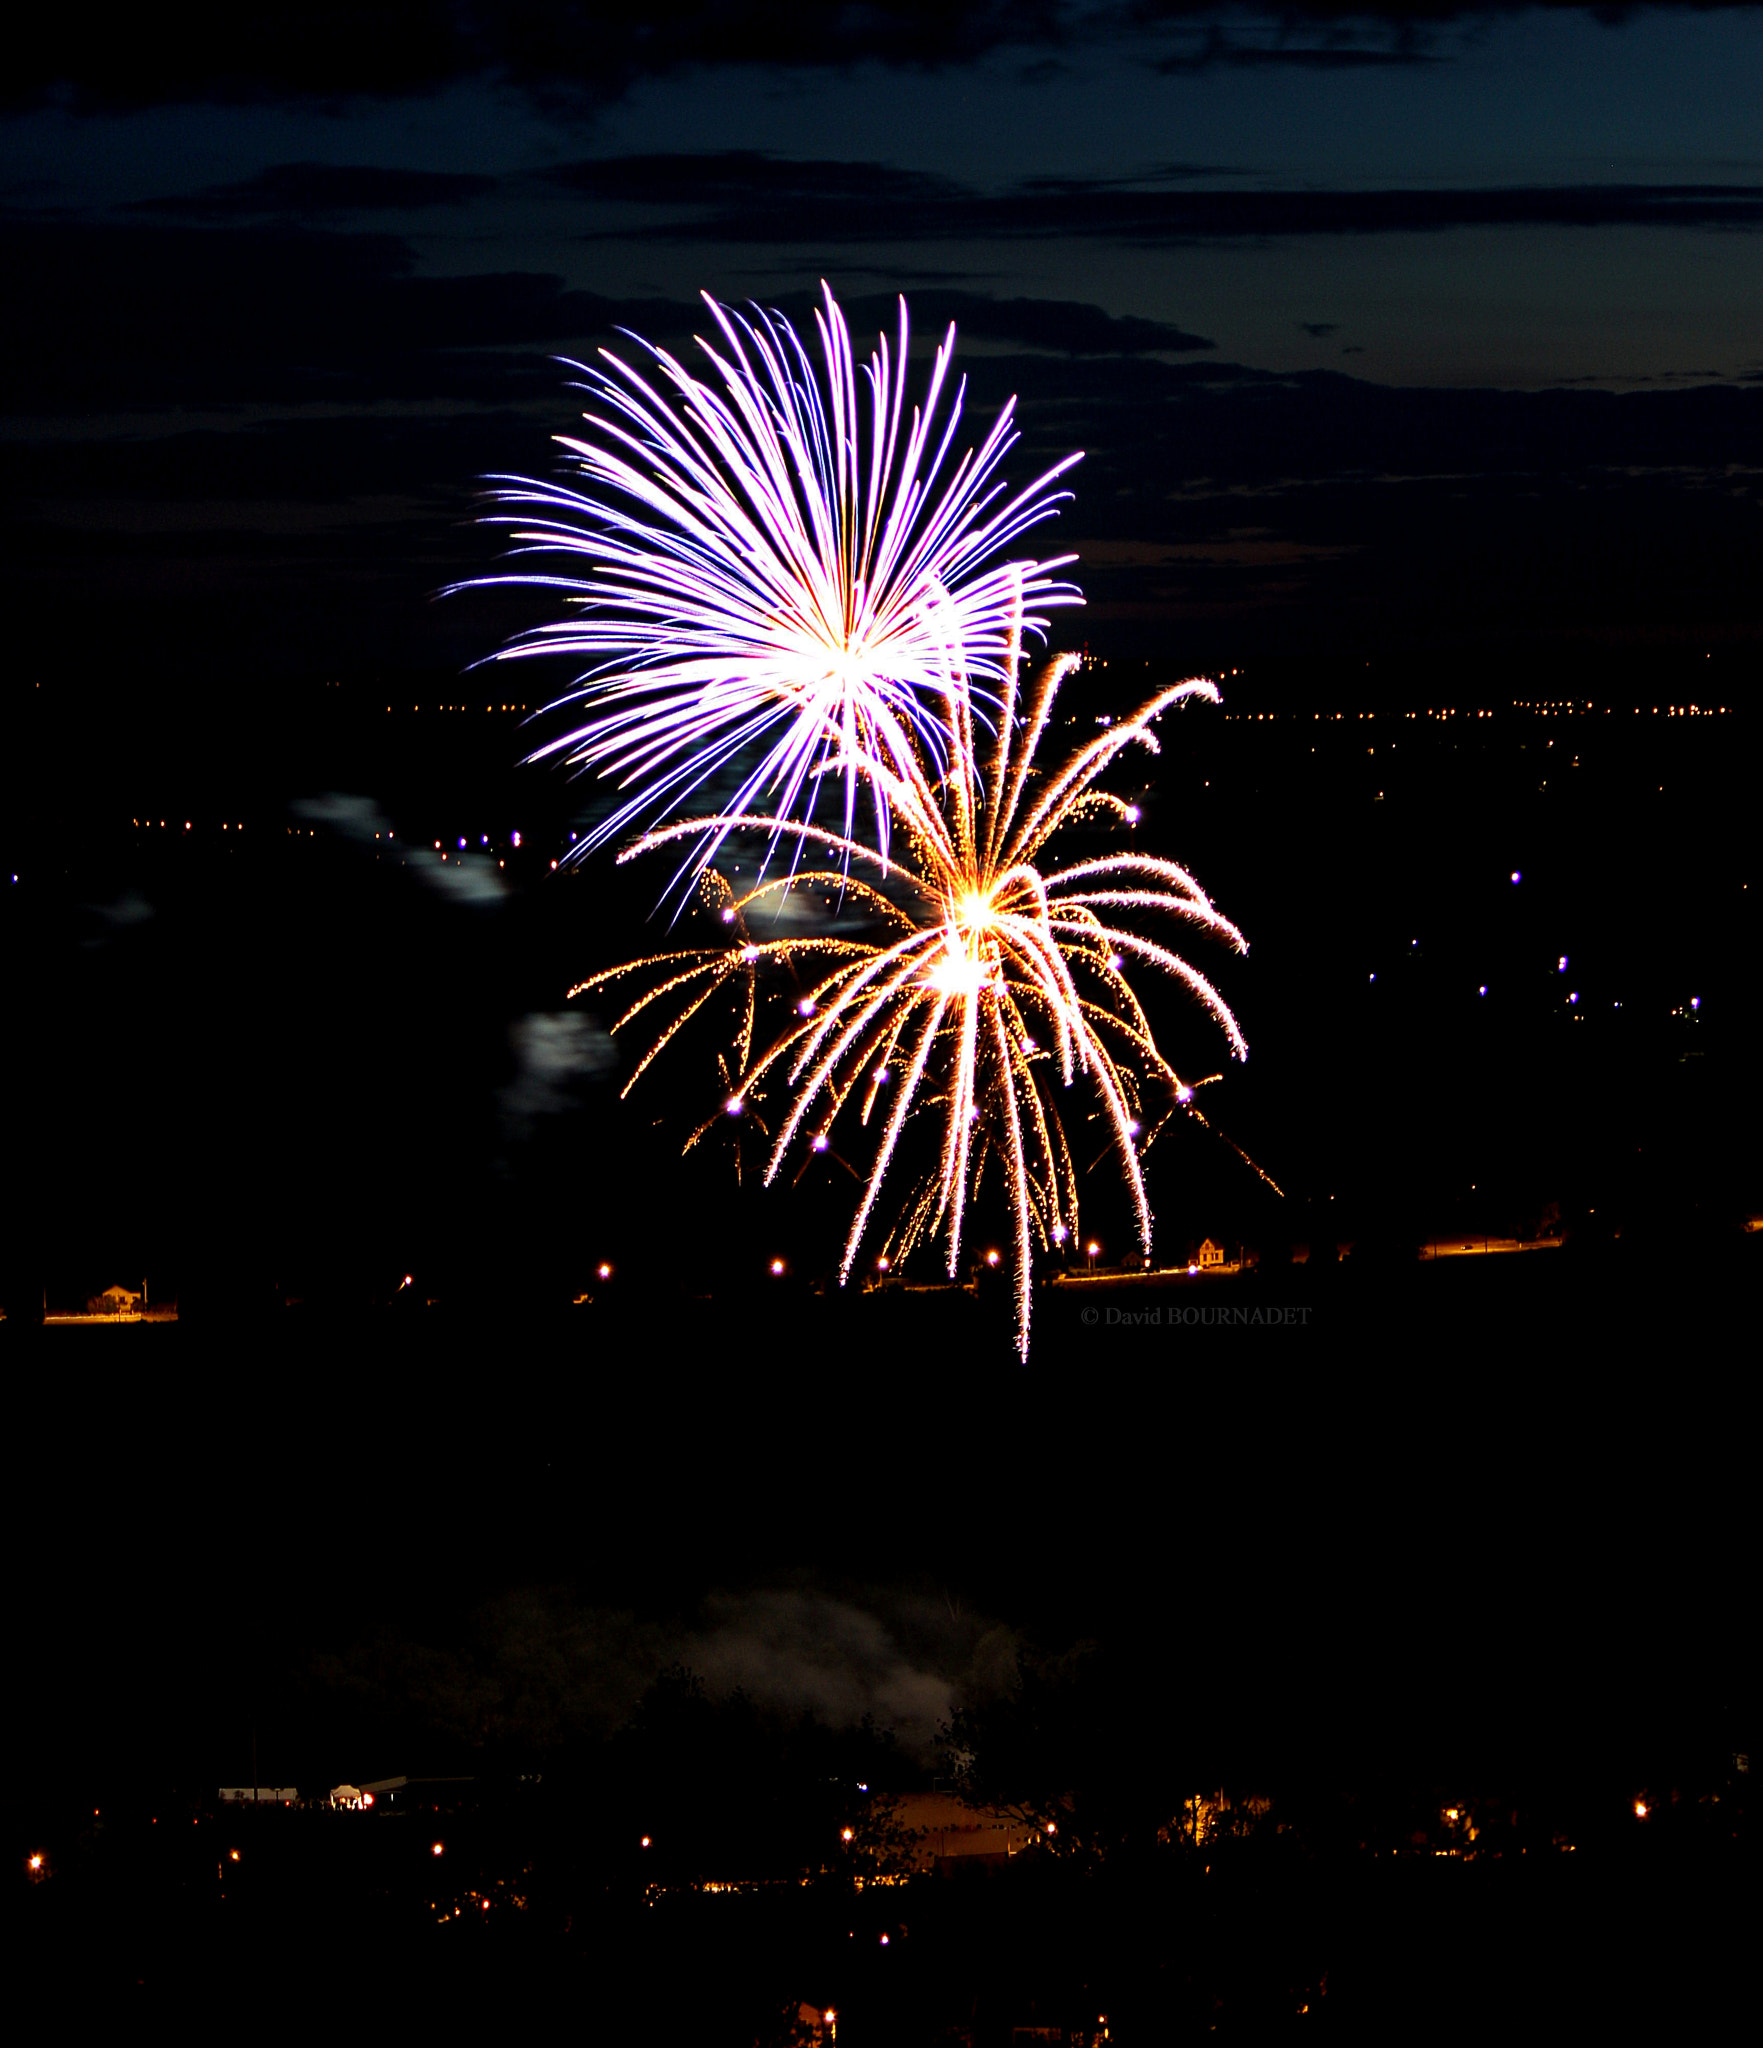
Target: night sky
[1417,358]
[1327,295]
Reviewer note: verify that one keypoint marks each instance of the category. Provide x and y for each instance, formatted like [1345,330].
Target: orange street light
[435,1848]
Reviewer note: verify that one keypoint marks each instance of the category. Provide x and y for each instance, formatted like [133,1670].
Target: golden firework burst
[996,981]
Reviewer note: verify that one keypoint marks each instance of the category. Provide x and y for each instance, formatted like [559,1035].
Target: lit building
[952,1836]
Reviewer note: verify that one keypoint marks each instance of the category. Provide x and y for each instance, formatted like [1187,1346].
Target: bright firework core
[974,912]
[969,961]
[956,973]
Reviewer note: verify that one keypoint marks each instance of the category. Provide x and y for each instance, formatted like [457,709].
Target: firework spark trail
[985,943]
[753,582]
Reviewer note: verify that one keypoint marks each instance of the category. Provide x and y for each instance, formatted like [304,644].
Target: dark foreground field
[1473,1531]
[346,1918]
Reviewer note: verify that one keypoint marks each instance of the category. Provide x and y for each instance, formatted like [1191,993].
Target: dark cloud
[1288,514]
[1134,181]
[327,50]
[1319,330]
[105,316]
[108,318]
[305,189]
[1266,505]
[1227,510]
[1377,43]
[747,197]
[710,177]
[1064,326]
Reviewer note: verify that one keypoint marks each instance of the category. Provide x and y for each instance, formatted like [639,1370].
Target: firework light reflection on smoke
[995,985]
[759,561]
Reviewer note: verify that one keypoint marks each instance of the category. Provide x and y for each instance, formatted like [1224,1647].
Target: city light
[435,1848]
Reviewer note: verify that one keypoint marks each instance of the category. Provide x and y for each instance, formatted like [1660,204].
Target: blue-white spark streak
[769,564]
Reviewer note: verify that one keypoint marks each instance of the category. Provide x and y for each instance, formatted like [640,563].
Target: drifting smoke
[540,1671]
